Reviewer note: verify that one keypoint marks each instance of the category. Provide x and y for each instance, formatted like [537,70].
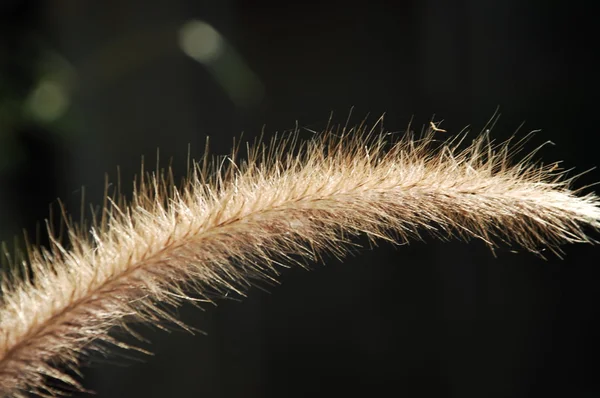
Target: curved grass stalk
[232,222]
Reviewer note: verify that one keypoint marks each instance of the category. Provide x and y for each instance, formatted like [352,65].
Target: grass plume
[232,223]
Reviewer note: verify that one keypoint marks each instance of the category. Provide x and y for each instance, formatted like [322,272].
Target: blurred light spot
[200,41]
[49,101]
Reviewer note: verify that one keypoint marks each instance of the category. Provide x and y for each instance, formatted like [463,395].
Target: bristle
[233,222]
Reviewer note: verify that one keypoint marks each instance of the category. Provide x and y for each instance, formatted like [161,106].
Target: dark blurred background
[86,86]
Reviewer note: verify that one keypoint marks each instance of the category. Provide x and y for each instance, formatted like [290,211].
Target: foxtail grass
[234,222]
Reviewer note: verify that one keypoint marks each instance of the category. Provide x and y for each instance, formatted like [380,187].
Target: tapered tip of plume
[233,222]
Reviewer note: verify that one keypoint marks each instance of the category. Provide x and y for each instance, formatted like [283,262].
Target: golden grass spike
[232,222]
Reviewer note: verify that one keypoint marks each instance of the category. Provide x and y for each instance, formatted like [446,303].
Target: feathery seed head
[232,222]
